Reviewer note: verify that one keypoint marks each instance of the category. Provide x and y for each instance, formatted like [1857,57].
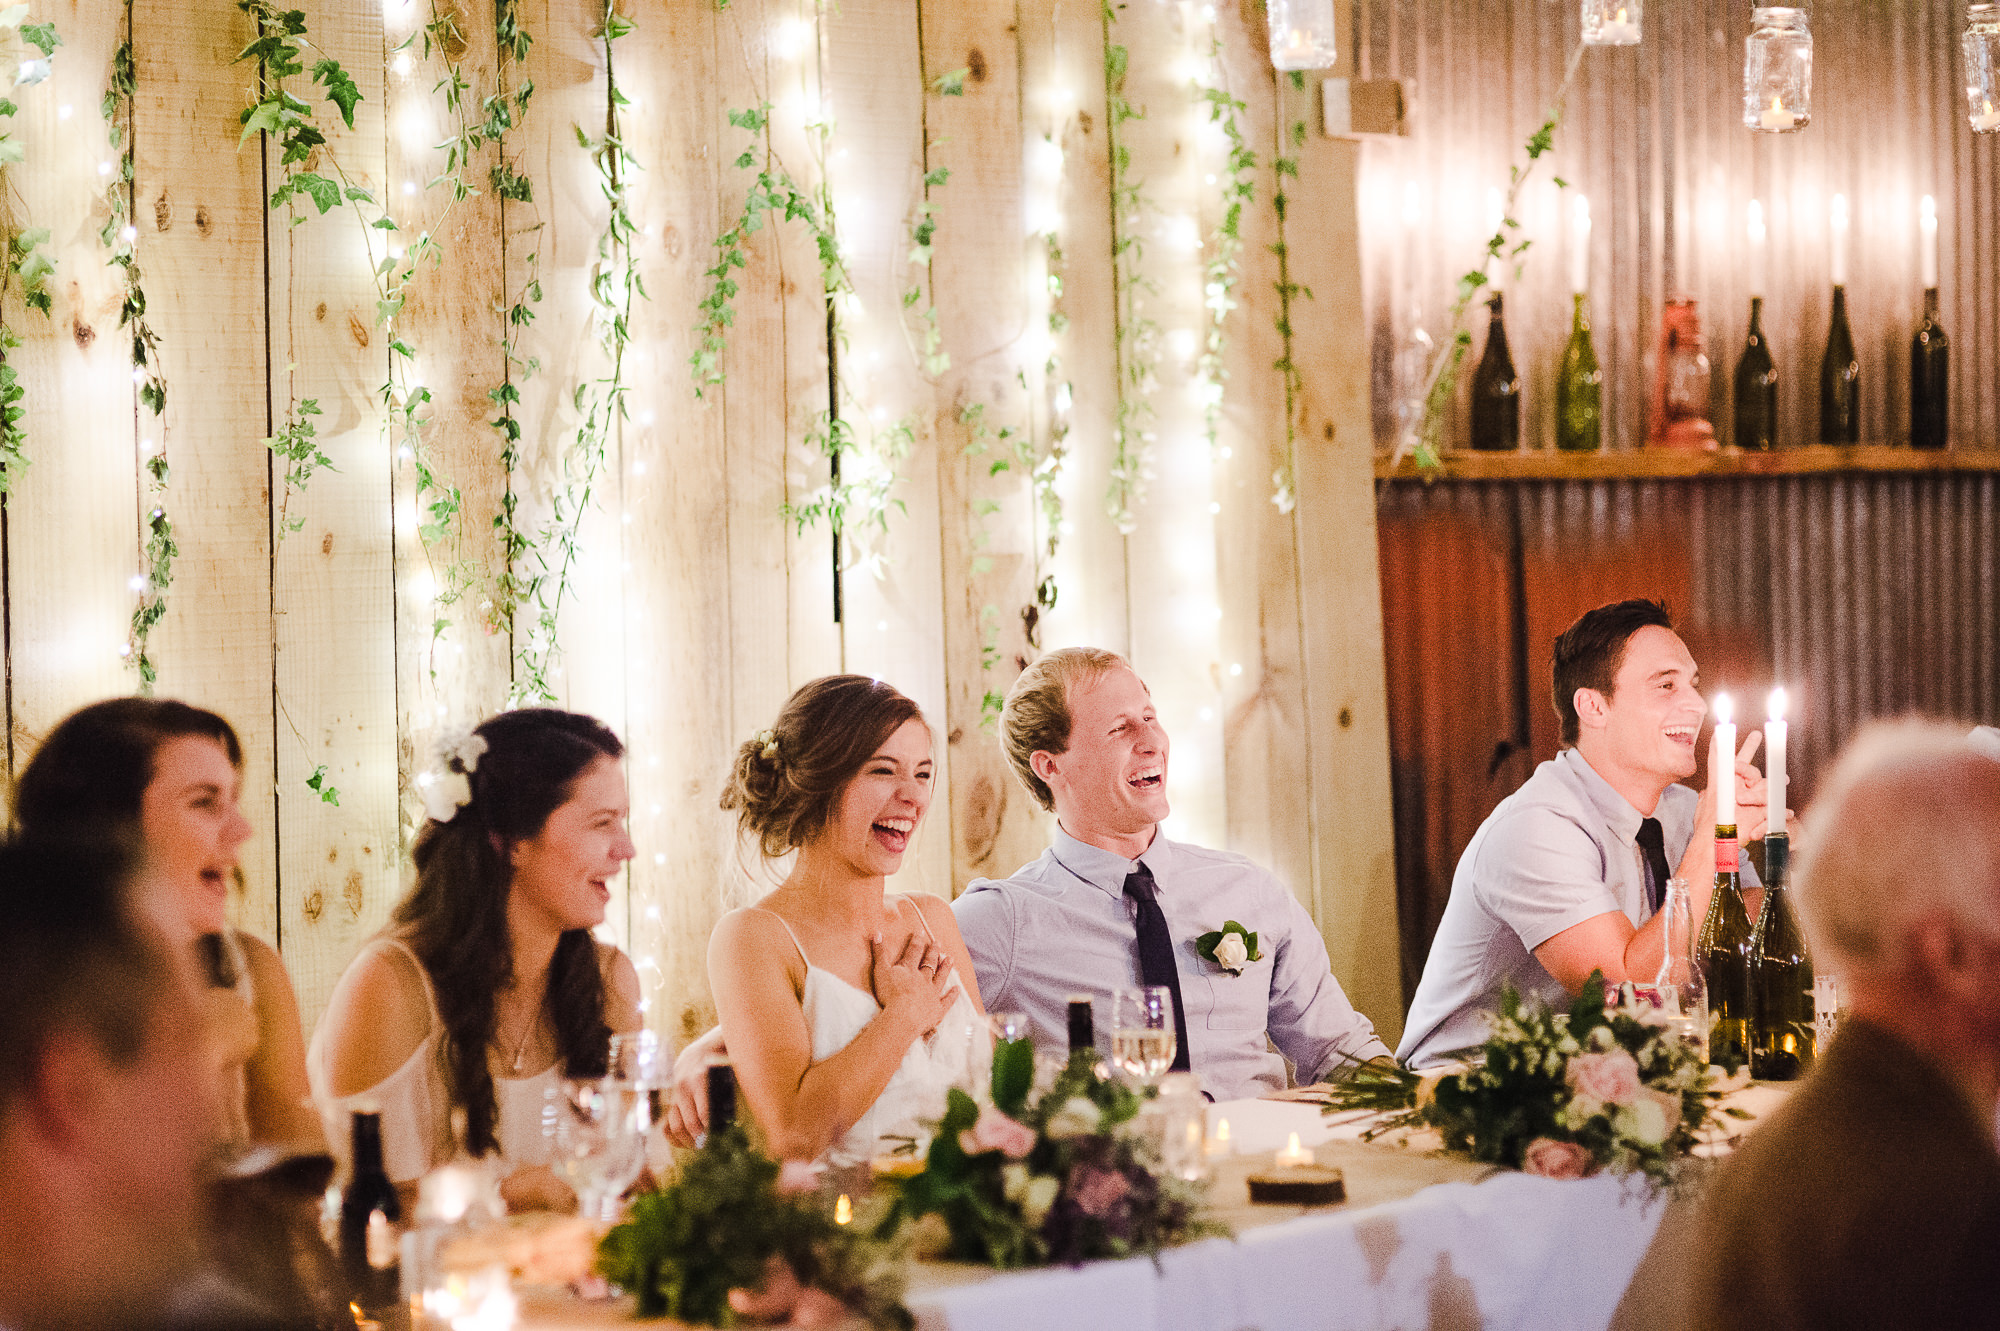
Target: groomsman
[1114,903]
[1567,874]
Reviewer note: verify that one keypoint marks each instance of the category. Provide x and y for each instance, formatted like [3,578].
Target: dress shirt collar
[1106,870]
[1614,808]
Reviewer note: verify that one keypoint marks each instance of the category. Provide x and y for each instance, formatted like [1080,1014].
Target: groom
[1113,903]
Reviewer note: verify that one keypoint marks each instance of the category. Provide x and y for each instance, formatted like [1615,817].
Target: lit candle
[843,1210]
[1579,254]
[1294,1154]
[1722,763]
[1620,31]
[1757,274]
[1776,117]
[1987,119]
[1927,220]
[1837,226]
[1220,1144]
[1774,758]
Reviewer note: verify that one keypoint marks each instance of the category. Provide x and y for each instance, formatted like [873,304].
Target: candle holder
[1302,33]
[1680,393]
[1613,22]
[1982,67]
[1777,70]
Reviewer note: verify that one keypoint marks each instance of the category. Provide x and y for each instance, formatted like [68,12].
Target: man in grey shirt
[1114,904]
[1567,874]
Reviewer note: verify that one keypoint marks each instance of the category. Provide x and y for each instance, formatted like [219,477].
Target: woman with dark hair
[847,1012]
[165,777]
[487,986]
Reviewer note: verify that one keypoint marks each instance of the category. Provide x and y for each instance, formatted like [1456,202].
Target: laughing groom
[1113,903]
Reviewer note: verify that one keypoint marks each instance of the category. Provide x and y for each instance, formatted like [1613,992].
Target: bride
[847,1012]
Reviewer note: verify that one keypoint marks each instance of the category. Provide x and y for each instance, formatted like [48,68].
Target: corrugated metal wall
[1864,595]
[1654,137]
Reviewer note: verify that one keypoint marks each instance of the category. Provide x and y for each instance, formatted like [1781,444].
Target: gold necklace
[521,1048]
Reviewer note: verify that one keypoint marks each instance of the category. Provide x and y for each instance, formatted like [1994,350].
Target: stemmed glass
[1143,1038]
[598,1128]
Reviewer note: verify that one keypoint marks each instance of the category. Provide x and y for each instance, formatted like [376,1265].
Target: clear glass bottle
[1777,70]
[1613,22]
[1580,388]
[1302,33]
[1412,372]
[1683,992]
[1981,45]
[1183,1126]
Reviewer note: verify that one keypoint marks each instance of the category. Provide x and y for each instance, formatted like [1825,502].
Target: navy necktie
[1654,846]
[1156,953]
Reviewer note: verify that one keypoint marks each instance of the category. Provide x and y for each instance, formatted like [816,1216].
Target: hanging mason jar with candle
[1301,33]
[1982,68]
[1613,22]
[1777,70]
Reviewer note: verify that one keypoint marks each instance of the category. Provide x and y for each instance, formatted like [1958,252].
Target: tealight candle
[1219,1144]
[1987,119]
[1620,31]
[1722,763]
[1776,118]
[1294,1154]
[1774,758]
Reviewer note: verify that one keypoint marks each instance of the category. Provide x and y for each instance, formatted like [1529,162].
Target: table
[1423,1241]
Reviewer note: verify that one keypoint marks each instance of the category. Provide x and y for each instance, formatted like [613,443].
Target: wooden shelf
[1672,464]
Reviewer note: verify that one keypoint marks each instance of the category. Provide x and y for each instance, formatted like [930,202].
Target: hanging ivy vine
[28,265]
[600,402]
[505,111]
[120,239]
[1223,269]
[1137,335]
[1292,138]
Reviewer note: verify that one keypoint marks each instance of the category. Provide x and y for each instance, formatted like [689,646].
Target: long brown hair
[455,917]
[93,769]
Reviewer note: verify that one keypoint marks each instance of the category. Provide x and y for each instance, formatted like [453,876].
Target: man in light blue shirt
[1082,733]
[1567,874]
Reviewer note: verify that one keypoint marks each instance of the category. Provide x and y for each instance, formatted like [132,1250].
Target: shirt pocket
[1238,1002]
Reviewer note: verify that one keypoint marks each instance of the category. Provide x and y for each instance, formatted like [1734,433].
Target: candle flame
[1292,1144]
[1724,709]
[1222,1129]
[843,1210]
[1927,209]
[1778,703]
[1621,16]
[1777,102]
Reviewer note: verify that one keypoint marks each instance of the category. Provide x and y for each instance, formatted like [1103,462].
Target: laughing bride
[848,1012]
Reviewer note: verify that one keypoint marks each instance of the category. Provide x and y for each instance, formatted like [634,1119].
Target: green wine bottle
[1580,388]
[1757,387]
[1930,380]
[1725,956]
[1781,977]
[1839,380]
[1496,390]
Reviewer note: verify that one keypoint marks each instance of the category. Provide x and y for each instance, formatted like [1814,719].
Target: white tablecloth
[1509,1252]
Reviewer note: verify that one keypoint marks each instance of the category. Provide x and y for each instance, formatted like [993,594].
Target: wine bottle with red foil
[1839,380]
[1725,957]
[1930,380]
[1781,977]
[1757,387]
[369,1213]
[1496,391]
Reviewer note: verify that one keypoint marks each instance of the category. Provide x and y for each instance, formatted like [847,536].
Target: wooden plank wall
[695,607]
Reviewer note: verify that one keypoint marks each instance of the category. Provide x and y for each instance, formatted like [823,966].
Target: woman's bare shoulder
[378,1016]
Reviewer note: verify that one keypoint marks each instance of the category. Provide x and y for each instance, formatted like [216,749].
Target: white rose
[1041,1195]
[445,795]
[1077,1118]
[1231,953]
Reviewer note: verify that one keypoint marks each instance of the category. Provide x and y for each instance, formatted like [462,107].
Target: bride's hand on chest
[911,979]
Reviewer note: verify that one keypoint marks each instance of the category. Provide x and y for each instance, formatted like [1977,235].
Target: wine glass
[598,1140]
[1143,1039]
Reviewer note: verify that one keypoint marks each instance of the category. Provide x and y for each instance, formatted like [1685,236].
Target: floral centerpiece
[1058,1172]
[737,1236]
[1563,1094]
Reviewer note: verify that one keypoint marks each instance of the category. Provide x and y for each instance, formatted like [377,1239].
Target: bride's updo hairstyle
[787,779]
[455,917]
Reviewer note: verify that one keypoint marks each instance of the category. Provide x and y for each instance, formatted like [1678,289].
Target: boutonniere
[1231,947]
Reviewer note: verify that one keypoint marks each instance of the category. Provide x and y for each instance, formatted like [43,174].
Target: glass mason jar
[1777,70]
[1982,68]
[1301,33]
[1613,22]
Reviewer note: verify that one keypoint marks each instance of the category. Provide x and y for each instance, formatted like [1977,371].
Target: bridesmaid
[168,776]
[848,1012]
[487,986]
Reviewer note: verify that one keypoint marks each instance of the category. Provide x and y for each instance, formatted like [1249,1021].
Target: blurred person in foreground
[1872,1197]
[107,1110]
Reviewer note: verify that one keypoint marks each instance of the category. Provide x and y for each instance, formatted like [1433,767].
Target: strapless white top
[951,1055]
[416,1102]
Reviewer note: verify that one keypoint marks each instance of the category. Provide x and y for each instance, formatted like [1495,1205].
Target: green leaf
[43,35]
[1013,1075]
[341,89]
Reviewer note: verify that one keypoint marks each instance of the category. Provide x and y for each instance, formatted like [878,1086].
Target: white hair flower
[767,742]
[447,787]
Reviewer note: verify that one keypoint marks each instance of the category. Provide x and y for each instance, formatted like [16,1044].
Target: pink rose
[798,1176]
[1097,1191]
[996,1132]
[1553,1159]
[1610,1078]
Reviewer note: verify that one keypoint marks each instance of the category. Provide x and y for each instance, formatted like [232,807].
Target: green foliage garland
[28,266]
[1225,243]
[599,403]
[1138,336]
[505,110]
[1284,480]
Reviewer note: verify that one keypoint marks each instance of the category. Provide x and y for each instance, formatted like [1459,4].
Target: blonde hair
[1036,715]
[1906,826]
